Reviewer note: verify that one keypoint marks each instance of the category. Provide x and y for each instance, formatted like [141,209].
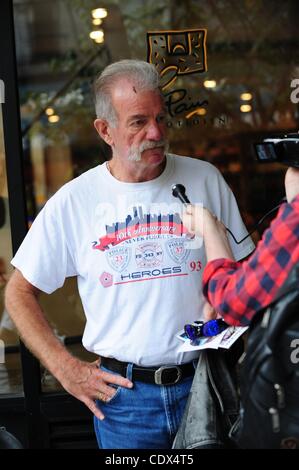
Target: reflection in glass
[252,55]
[10,369]
[56,59]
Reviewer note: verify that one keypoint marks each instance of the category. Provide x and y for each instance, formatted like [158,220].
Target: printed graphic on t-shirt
[118,258]
[106,279]
[149,255]
[177,250]
[146,246]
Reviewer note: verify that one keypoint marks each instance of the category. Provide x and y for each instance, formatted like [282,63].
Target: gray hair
[140,73]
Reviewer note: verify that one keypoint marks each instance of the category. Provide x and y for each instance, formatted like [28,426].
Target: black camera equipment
[283,149]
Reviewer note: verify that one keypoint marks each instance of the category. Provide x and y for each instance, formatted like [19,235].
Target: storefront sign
[178,101]
[196,120]
[177,53]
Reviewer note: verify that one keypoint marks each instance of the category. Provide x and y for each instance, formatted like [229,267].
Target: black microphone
[178,190]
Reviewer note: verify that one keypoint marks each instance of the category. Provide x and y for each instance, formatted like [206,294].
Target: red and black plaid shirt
[237,290]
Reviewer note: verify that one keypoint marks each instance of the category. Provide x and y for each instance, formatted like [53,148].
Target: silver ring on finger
[102,397]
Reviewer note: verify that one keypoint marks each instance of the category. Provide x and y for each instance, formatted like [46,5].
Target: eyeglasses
[210,328]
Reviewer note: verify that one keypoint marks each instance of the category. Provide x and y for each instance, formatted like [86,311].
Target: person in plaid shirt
[237,290]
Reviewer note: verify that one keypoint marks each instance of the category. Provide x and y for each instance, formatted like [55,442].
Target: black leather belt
[162,375]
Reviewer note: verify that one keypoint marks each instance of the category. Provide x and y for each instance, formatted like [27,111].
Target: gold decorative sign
[177,53]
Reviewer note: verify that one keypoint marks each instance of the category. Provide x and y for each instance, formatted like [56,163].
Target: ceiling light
[53,118]
[97,21]
[246,96]
[99,13]
[97,35]
[246,108]
[209,83]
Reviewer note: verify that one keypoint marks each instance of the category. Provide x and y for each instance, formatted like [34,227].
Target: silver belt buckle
[159,372]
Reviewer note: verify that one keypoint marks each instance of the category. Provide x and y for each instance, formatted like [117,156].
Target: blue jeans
[144,417]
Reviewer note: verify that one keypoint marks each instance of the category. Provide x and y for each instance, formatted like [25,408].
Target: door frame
[42,411]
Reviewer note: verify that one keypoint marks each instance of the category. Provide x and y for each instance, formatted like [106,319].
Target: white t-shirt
[139,275]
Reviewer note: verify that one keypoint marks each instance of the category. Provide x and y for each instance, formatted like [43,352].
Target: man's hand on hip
[86,382]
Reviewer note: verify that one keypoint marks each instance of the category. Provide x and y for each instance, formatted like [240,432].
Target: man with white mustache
[135,153]
[139,275]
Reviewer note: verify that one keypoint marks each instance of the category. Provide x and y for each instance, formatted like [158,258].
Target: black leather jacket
[213,405]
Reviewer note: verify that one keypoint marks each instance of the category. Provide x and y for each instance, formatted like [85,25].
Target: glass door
[240,94]
[38,418]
